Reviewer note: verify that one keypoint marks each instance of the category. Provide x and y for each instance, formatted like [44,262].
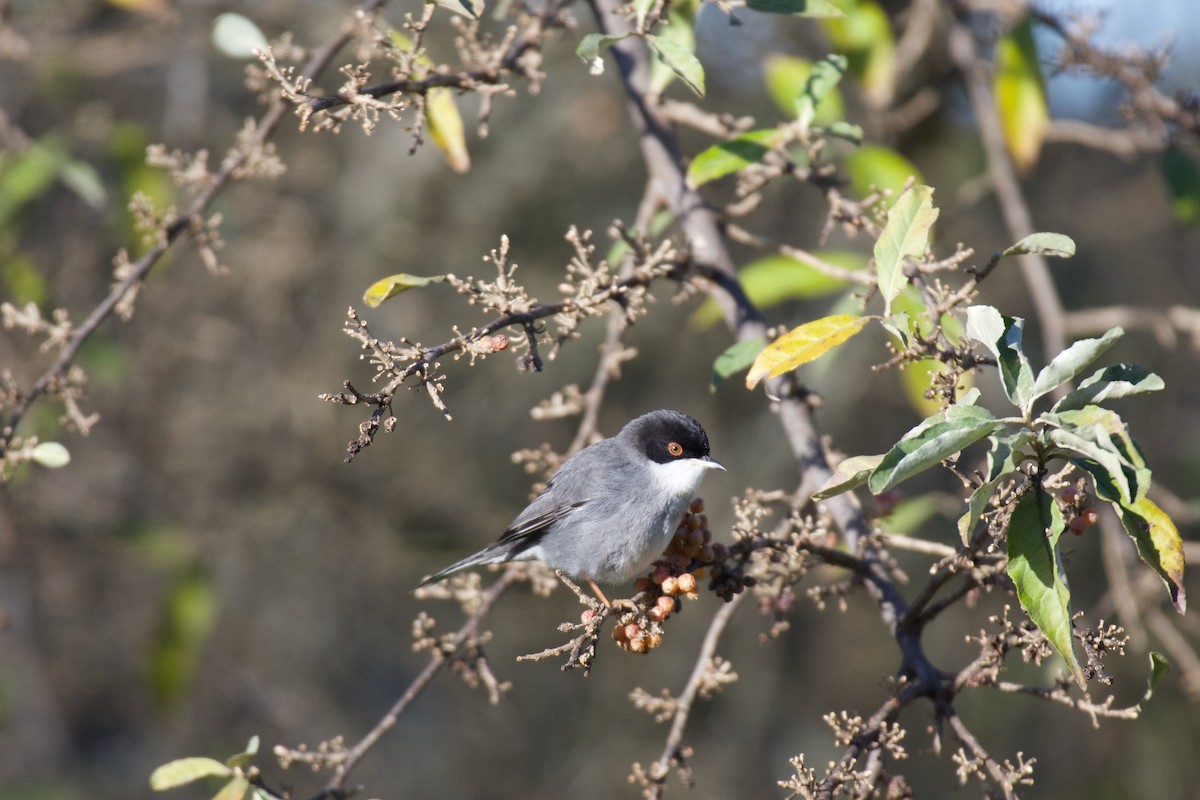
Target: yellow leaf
[393,285]
[1021,96]
[446,128]
[1158,543]
[803,344]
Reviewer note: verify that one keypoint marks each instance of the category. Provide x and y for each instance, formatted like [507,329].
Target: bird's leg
[599,593]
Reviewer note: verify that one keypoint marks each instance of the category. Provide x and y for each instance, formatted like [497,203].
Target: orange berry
[670,585]
[686,583]
[697,506]
[1090,516]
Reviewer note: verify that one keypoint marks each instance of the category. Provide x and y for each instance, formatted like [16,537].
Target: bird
[611,508]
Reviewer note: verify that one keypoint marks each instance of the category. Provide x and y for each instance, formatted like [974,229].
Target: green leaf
[1182,176]
[681,60]
[1044,244]
[872,167]
[1158,543]
[1159,667]
[850,473]
[773,279]
[1002,336]
[802,344]
[236,36]
[786,78]
[905,236]
[1036,571]
[725,158]
[592,45]
[805,8]
[1020,95]
[1072,361]
[934,440]
[185,770]
[737,357]
[826,74]
[393,285]
[1120,380]
[243,758]
[51,455]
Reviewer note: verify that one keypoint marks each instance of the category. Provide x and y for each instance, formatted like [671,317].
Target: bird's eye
[675,449]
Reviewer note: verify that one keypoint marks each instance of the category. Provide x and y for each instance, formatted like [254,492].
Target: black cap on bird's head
[666,436]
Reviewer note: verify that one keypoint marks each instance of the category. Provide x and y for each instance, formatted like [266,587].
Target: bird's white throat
[679,478]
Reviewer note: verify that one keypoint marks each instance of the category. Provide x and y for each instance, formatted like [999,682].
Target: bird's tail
[488,555]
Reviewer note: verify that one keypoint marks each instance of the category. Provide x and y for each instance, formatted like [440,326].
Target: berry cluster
[1079,514]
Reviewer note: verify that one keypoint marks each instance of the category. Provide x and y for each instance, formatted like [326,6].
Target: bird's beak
[712,463]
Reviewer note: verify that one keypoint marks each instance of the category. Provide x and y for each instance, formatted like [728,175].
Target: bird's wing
[528,529]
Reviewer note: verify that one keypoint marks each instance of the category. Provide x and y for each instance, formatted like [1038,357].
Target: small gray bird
[612,507]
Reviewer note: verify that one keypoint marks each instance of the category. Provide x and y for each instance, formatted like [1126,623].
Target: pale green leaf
[802,344]
[82,179]
[1072,361]
[185,770]
[737,357]
[393,285]
[243,758]
[681,60]
[726,158]
[905,236]
[1036,571]
[680,27]
[592,45]
[865,35]
[236,36]
[1044,244]
[850,473]
[1002,336]
[50,454]
[825,76]
[234,790]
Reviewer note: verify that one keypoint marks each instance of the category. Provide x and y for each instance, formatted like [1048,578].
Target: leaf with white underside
[51,455]
[931,442]
[1044,244]
[1072,361]
[850,473]
[1002,336]
[186,770]
[1119,380]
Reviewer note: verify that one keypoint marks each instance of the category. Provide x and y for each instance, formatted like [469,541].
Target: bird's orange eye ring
[675,449]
